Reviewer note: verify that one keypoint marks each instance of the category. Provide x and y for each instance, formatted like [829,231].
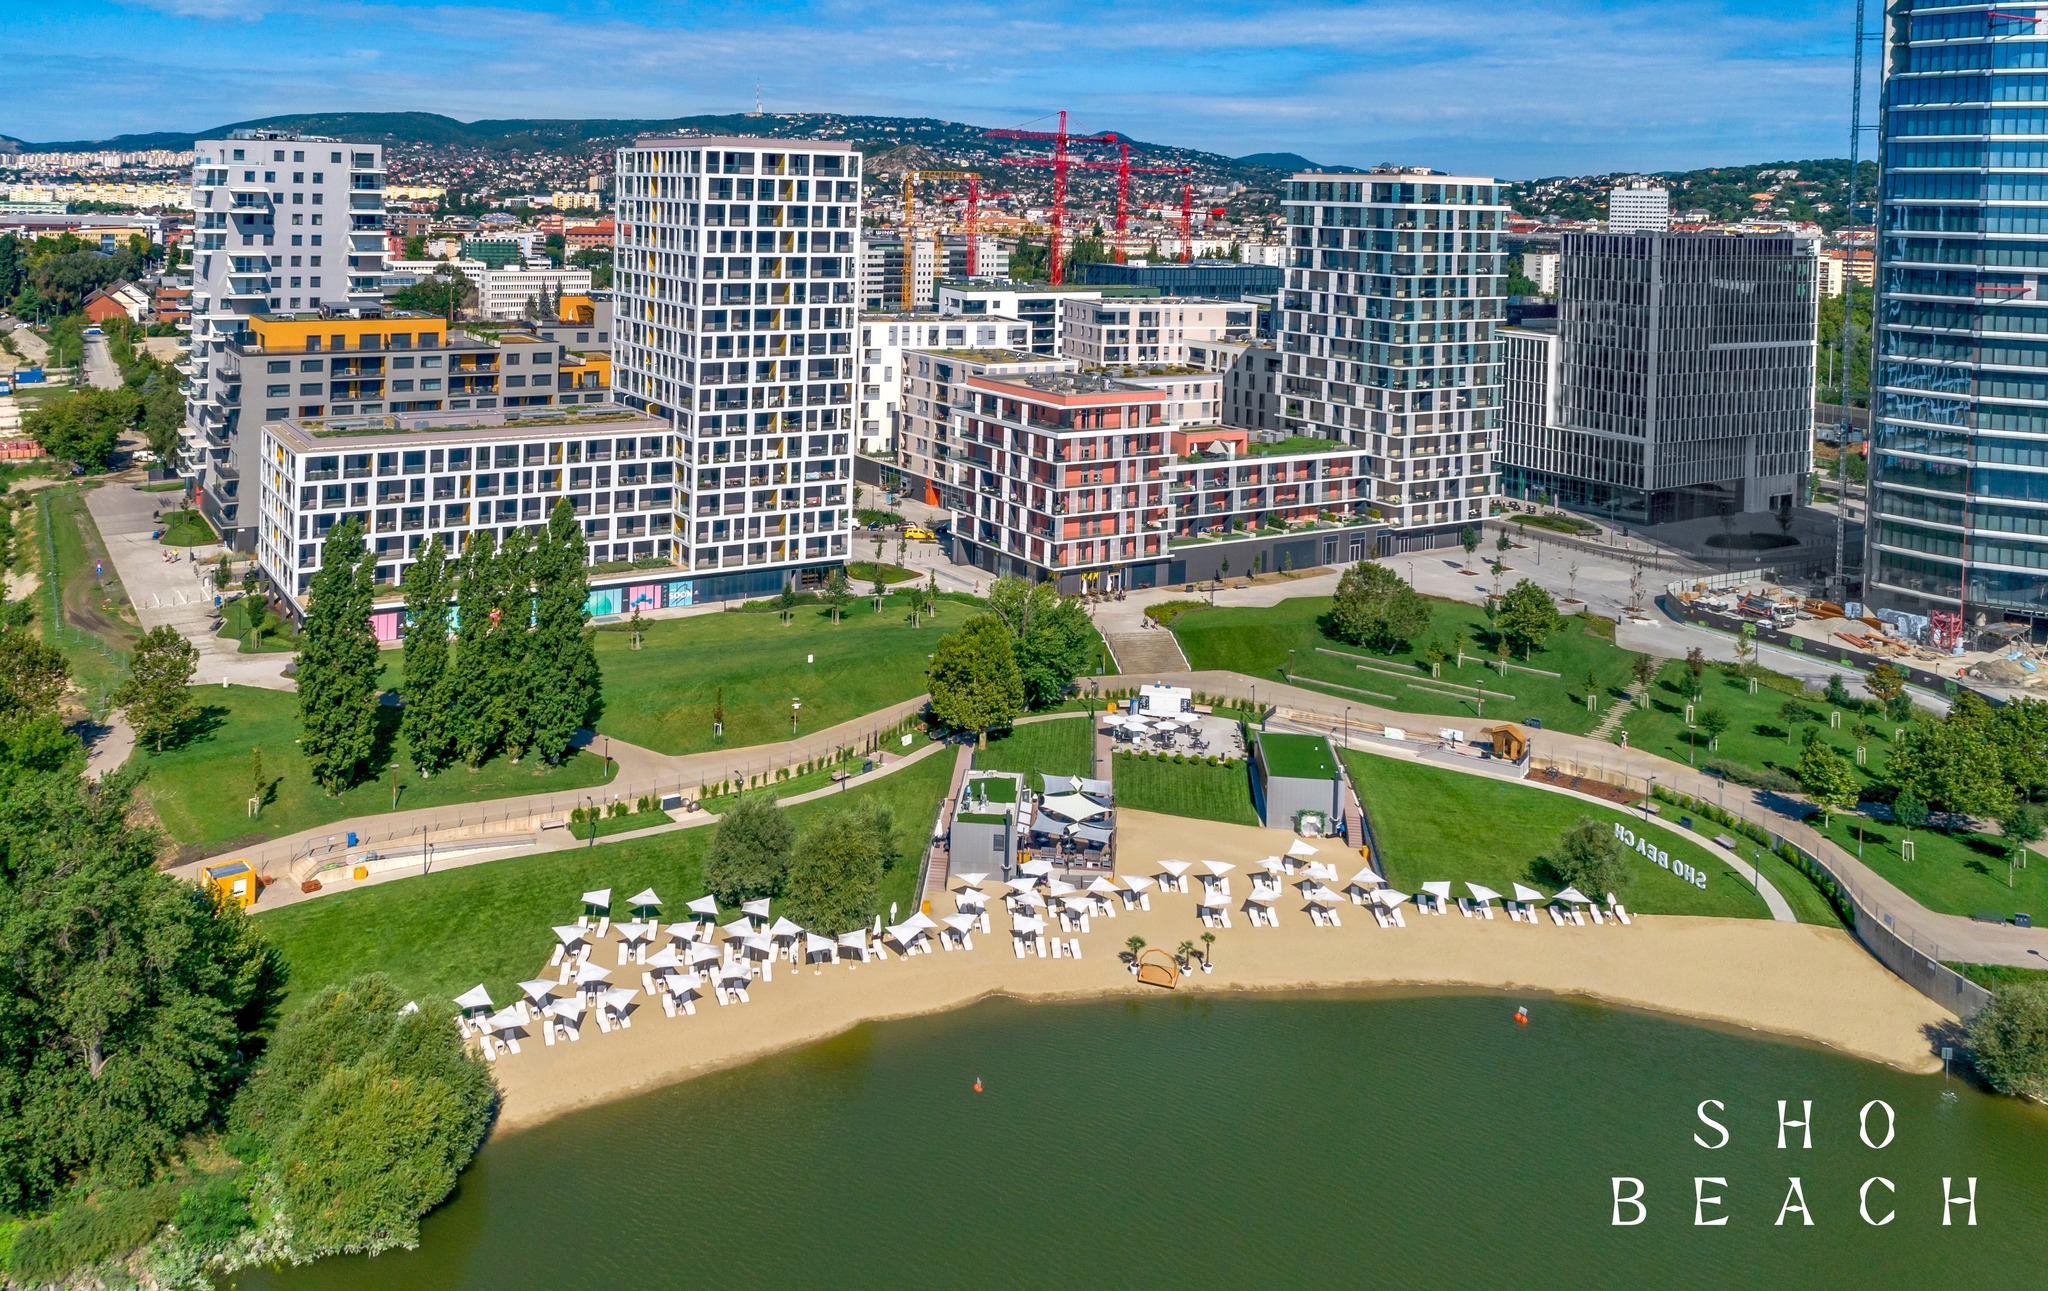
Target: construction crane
[1124,170]
[910,178]
[1060,162]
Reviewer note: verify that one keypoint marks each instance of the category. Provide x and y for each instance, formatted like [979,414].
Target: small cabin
[231,883]
[1510,743]
[1294,776]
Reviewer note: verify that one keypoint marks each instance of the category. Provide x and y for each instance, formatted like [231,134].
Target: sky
[1512,88]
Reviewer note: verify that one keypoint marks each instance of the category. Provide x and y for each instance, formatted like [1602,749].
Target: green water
[1403,1141]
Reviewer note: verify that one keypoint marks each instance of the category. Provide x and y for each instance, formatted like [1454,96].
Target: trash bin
[351,838]
[2022,919]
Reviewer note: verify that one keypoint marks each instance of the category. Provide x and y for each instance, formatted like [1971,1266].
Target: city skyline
[1343,84]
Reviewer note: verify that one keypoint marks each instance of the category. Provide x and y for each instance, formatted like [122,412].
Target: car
[915,534]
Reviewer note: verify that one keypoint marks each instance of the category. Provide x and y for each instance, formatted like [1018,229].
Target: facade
[1213,279]
[934,391]
[1096,333]
[504,294]
[881,267]
[1540,267]
[282,223]
[1251,382]
[1959,460]
[734,283]
[1293,776]
[1678,382]
[1638,210]
[1034,303]
[1838,268]
[1387,335]
[883,340]
[443,477]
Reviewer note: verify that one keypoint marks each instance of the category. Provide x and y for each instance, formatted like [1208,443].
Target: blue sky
[1515,88]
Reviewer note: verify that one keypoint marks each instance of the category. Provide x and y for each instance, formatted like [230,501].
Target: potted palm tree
[1208,950]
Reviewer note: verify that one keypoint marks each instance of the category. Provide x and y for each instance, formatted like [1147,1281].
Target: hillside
[1816,190]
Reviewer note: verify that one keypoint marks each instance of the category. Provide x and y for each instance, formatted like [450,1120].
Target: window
[311,365]
[278,365]
[309,387]
[297,238]
[512,360]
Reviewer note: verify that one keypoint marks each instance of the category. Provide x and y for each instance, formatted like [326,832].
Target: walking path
[1611,723]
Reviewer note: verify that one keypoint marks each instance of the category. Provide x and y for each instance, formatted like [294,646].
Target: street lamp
[794,705]
[1651,793]
[1347,726]
[590,809]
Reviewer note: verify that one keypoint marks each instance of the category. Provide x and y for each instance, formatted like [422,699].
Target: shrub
[2009,1039]
[1754,777]
[1588,858]
[214,1211]
[88,1233]
[617,808]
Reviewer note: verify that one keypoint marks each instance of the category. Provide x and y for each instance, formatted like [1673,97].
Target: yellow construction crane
[910,178]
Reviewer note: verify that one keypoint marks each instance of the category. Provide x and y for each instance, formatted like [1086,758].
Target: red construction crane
[1059,163]
[1124,170]
[1187,223]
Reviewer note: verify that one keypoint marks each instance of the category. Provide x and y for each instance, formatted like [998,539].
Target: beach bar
[1294,782]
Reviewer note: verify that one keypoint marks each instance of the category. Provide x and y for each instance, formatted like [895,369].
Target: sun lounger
[604,925]
[1333,919]
[1379,916]
[582,921]
[604,1021]
[1074,948]
[689,1006]
[741,993]
[1486,909]
[1578,917]
[556,958]
[1464,907]
[1621,913]
[1555,917]
[1599,920]
[1400,920]
[547,1032]
[490,1050]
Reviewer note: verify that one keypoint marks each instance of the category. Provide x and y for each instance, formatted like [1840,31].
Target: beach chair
[604,1020]
[1621,913]
[741,993]
[582,921]
[1224,915]
[1059,948]
[1074,948]
[1017,943]
[490,1050]
[724,997]
[1464,907]
[562,979]
[1555,918]
[668,1004]
[1578,916]
[556,958]
[604,924]
[689,1006]
[1400,920]
[1039,943]
[1379,916]
[513,1044]
[547,1032]
[1599,920]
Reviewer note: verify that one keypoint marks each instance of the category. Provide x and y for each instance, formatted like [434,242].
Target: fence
[1914,956]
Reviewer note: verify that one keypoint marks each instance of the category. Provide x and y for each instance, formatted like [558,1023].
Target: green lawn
[1756,738]
[279,636]
[1193,789]
[200,789]
[98,627]
[1257,641]
[439,935]
[1062,747]
[1993,976]
[1954,873]
[626,824]
[187,529]
[861,574]
[660,696]
[1433,823]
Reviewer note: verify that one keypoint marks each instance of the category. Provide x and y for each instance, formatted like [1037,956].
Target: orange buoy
[977,1084]
[1522,1017]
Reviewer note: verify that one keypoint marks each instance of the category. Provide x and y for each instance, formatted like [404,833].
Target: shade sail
[476,997]
[704,905]
[644,897]
[600,897]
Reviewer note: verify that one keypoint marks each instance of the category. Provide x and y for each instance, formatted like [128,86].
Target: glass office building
[1959,462]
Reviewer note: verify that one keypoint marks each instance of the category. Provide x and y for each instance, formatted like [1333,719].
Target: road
[99,364]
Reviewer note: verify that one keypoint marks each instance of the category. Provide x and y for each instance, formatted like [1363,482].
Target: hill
[1816,190]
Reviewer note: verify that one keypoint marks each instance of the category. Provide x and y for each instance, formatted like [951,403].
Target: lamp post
[1650,793]
[590,808]
[794,705]
[1347,726]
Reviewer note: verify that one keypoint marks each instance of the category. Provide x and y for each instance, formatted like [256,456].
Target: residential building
[1638,210]
[1677,383]
[1958,487]
[883,340]
[515,291]
[500,250]
[1035,303]
[1156,330]
[283,223]
[881,266]
[121,299]
[1251,382]
[736,269]
[1387,334]
[935,394]
[589,237]
[1212,279]
[1540,267]
[415,478]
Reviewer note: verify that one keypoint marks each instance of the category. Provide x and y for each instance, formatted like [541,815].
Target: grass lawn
[187,529]
[1556,524]
[1757,727]
[1256,641]
[1953,873]
[439,935]
[279,635]
[200,789]
[660,696]
[861,574]
[1993,976]
[1065,746]
[626,824]
[98,627]
[1433,823]
[1193,789]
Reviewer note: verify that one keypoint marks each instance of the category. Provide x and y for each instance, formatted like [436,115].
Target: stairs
[1146,653]
[1612,721]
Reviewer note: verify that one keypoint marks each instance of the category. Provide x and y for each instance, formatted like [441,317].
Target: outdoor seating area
[1072,823]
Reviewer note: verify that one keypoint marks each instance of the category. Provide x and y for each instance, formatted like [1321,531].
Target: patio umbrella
[970,880]
[1219,868]
[568,1008]
[960,923]
[617,998]
[702,954]
[1323,896]
[1115,720]
[1439,889]
[816,945]
[1030,925]
[737,928]
[784,926]
[1036,869]
[644,902]
[504,1020]
[635,931]
[1367,878]
[1103,886]
[569,934]
[1527,893]
[666,957]
[600,899]
[1137,882]
[757,908]
[1321,871]
[1388,898]
[476,997]
[856,940]
[1299,848]
[704,905]
[1061,888]
[1273,865]
[1573,896]
[920,921]
[591,974]
[537,989]
[1481,893]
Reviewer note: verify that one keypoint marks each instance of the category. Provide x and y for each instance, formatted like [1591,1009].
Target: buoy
[977,1084]
[1522,1016]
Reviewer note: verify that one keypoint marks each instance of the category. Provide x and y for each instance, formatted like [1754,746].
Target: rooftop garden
[1297,757]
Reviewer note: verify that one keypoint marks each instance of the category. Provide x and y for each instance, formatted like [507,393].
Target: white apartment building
[881,266]
[1540,267]
[1157,329]
[282,223]
[445,476]
[736,265]
[935,389]
[883,340]
[503,294]
[1638,210]
[1035,303]
[1387,333]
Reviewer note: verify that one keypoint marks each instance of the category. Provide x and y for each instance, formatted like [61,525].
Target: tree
[785,600]
[1714,722]
[445,294]
[1696,667]
[565,682]
[1468,538]
[749,854]
[837,594]
[427,725]
[82,426]
[128,995]
[1827,777]
[974,681]
[837,867]
[154,691]
[1052,636]
[1527,617]
[509,643]
[1375,609]
[1645,671]
[1588,857]
[2022,828]
[1886,682]
[1909,811]
[1951,768]
[338,663]
[2009,1040]
[470,709]
[415,247]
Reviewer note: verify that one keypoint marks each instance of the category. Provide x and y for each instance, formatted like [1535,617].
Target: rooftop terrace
[505,423]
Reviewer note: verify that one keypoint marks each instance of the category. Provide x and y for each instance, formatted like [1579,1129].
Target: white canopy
[704,905]
[1523,893]
[1114,720]
[1061,888]
[813,943]
[1074,806]
[738,928]
[1136,724]
[601,898]
[1102,885]
[1211,901]
[1027,923]
[969,899]
[1438,888]
[1367,878]
[1299,848]
[1321,871]
[1137,882]
[537,989]
[1574,896]
[1219,867]
[618,997]
[680,982]
[960,922]
[1260,899]
[758,907]
[588,973]
[858,939]
[905,933]
[1273,865]
[476,997]
[504,1020]
[920,921]
[569,934]
[970,880]
[785,927]
[635,931]
[1175,868]
[567,1008]
[644,897]
[704,954]
[666,957]
[1323,896]
[1482,893]
[758,945]
[1036,869]
[1388,898]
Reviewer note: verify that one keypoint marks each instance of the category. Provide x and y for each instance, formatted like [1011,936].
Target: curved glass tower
[1959,463]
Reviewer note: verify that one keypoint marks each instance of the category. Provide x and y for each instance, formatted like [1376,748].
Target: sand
[1814,984]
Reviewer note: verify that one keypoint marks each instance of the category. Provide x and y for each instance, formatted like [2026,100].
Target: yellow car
[915,534]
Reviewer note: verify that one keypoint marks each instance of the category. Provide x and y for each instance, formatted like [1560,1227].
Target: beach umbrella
[1137,882]
[1323,896]
[1114,720]
[1321,871]
[857,940]
[1029,924]
[569,934]
[1481,893]
[645,903]
[784,926]
[961,923]
[1439,889]
[599,899]
[1175,868]
[816,945]
[476,997]
[1103,886]
[1523,893]
[758,908]
[537,989]
[1219,868]
[616,998]
[1273,865]
[1061,888]
[635,931]
[1299,848]
[1368,878]
[666,957]
[1388,898]
[920,922]
[741,927]
[702,953]
[1573,896]
[1036,869]
[504,1020]
[704,905]
[970,880]
[568,1009]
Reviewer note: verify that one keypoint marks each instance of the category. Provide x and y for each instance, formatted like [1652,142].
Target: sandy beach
[1814,984]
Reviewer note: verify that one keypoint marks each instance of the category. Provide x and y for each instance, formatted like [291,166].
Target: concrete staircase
[1146,653]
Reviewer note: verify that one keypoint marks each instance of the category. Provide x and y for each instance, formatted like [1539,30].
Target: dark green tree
[338,663]
[562,662]
[82,426]
[427,724]
[1052,636]
[154,692]
[749,855]
[974,681]
[837,867]
[1375,609]
[1951,767]
[1827,777]
[474,706]
[1528,617]
[2009,1040]
[1588,857]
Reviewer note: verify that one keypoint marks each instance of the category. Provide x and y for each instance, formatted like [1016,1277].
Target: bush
[1754,777]
[2009,1040]
[213,1211]
[89,1233]
[1588,858]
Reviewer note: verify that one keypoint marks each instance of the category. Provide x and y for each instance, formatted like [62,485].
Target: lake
[1418,1139]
